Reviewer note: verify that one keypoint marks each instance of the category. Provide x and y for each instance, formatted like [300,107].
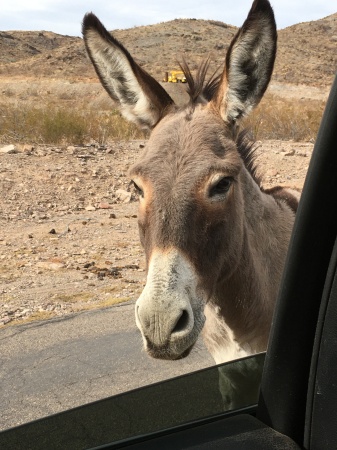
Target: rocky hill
[20,45]
[306,51]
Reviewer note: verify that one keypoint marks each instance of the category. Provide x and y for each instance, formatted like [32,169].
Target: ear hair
[249,64]
[141,98]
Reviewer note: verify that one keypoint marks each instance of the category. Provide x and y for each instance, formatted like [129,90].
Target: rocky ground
[68,224]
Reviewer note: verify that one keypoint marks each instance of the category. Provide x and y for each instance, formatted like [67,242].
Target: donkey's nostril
[142,319]
[182,322]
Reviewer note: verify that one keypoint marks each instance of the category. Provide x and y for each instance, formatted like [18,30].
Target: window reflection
[163,405]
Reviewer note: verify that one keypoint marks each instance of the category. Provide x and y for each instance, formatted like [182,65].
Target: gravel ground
[68,224]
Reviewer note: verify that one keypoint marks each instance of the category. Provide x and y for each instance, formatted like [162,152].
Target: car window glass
[160,406]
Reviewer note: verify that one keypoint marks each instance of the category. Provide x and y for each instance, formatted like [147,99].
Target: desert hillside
[306,51]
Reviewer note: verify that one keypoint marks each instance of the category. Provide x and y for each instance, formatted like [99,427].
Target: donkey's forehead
[192,129]
[189,138]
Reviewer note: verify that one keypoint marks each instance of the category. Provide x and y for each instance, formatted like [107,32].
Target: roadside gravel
[68,224]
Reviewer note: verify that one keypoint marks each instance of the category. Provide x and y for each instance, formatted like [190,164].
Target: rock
[123,196]
[272,172]
[288,152]
[9,149]
[112,216]
[5,320]
[51,265]
[104,205]
[90,208]
[27,149]
[84,156]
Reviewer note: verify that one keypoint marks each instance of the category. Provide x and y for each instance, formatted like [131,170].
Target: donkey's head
[189,177]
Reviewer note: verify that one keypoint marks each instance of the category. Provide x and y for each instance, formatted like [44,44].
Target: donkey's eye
[138,189]
[221,187]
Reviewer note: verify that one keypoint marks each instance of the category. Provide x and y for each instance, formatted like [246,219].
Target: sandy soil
[68,225]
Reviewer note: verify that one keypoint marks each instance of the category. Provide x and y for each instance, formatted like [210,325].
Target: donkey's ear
[142,100]
[249,64]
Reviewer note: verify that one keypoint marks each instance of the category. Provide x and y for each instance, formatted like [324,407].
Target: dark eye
[138,189]
[221,187]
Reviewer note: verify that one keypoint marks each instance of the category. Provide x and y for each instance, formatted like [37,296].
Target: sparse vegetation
[73,297]
[275,118]
[38,315]
[284,119]
[110,301]
[50,124]
[49,92]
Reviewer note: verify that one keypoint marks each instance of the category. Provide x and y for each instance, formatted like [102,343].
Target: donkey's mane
[198,87]
[247,149]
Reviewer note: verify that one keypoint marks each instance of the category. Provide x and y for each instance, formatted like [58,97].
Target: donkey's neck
[240,310]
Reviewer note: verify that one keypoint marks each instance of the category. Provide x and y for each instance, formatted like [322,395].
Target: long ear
[141,98]
[249,64]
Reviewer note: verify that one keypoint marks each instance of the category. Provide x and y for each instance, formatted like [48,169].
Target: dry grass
[73,298]
[275,118]
[285,119]
[25,123]
[36,316]
[111,300]
[7,275]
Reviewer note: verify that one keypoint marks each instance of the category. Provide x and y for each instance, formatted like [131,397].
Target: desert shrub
[107,125]
[8,92]
[286,119]
[275,118]
[57,125]
[62,125]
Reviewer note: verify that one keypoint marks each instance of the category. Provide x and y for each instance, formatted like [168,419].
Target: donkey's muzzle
[166,333]
[169,313]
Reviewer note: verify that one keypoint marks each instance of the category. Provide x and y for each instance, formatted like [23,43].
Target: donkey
[215,241]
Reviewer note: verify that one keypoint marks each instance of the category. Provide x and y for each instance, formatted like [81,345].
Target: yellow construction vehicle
[174,76]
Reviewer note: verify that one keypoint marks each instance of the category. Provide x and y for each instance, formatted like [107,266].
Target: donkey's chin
[168,351]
